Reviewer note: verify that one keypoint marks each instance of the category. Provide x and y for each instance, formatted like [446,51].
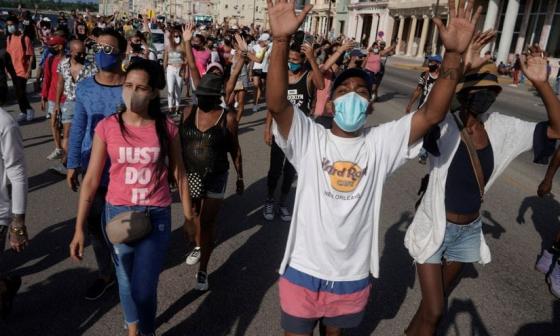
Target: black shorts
[259,73]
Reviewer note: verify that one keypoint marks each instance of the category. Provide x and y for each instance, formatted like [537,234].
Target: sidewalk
[415,63]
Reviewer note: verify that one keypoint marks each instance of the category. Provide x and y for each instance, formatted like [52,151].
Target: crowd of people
[125,151]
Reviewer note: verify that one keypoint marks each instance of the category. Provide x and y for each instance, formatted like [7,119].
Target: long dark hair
[156,82]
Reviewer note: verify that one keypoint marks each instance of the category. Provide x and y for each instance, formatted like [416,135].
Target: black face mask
[208,103]
[433,67]
[359,63]
[136,47]
[477,102]
[80,58]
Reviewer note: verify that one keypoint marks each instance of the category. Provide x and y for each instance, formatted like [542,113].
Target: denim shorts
[67,112]
[461,243]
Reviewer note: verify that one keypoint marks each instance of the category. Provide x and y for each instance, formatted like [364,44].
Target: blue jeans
[139,264]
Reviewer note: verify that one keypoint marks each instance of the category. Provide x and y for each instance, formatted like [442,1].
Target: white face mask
[177,40]
[11,29]
[135,102]
[375,50]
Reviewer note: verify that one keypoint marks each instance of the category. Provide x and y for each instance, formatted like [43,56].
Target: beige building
[242,12]
[319,21]
[518,23]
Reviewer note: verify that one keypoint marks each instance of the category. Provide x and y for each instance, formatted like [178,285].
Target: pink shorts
[305,300]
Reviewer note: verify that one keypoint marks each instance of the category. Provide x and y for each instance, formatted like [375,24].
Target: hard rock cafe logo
[344,175]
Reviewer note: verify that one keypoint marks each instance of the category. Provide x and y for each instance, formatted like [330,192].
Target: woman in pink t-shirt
[201,53]
[137,141]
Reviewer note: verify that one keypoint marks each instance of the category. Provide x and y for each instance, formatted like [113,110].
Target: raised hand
[472,56]
[283,19]
[347,44]
[241,43]
[533,65]
[188,32]
[458,34]
[308,51]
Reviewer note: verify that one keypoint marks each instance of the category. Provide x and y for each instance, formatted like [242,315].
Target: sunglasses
[107,49]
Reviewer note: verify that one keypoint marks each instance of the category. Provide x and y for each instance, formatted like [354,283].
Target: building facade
[243,12]
[518,23]
[320,19]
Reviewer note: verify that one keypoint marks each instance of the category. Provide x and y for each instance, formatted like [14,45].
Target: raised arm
[347,45]
[236,70]
[456,38]
[387,51]
[546,185]
[187,37]
[283,23]
[534,67]
[316,73]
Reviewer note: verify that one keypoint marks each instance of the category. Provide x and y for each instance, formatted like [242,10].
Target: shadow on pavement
[43,180]
[56,306]
[397,275]
[545,217]
[389,96]
[543,328]
[457,307]
[238,286]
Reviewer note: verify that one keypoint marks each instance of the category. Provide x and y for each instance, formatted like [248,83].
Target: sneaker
[21,117]
[194,256]
[554,280]
[544,262]
[268,210]
[9,286]
[236,105]
[98,288]
[57,154]
[201,281]
[30,114]
[59,169]
[47,116]
[285,214]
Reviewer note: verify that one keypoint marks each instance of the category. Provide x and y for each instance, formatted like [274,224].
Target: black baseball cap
[349,73]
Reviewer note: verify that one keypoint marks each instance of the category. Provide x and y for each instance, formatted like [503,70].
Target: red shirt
[50,80]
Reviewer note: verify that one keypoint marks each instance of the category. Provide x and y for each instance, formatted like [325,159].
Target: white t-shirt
[266,59]
[334,230]
[258,52]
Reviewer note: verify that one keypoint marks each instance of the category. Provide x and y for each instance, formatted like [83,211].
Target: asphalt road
[505,297]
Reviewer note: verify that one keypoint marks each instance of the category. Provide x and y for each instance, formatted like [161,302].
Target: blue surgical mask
[350,111]
[294,67]
[106,61]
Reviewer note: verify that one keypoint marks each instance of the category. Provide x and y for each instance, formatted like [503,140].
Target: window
[553,45]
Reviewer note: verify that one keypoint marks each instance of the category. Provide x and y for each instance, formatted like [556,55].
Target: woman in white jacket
[446,232]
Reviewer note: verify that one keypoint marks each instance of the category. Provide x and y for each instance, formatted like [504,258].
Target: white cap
[46,19]
[234,27]
[264,37]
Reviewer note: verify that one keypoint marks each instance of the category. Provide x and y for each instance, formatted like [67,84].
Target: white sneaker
[236,105]
[544,262]
[268,210]
[194,257]
[57,154]
[30,114]
[201,281]
[285,214]
[554,280]
[59,168]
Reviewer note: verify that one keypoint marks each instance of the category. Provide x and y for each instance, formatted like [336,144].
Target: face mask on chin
[350,111]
